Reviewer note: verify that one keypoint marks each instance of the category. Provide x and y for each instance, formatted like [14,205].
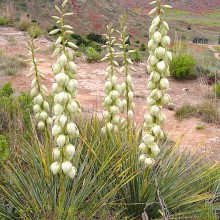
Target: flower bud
[155,76]
[154,149]
[43,116]
[72,172]
[116,119]
[168,57]
[46,106]
[164,83]
[150,68]
[71,128]
[109,126]
[57,69]
[61,140]
[72,107]
[150,101]
[107,101]
[155,110]
[160,52]
[148,139]
[62,60]
[157,36]
[148,119]
[61,79]
[165,99]
[56,88]
[123,86]
[62,120]
[165,41]
[156,130]
[66,167]
[151,85]
[148,161]
[36,108]
[142,147]
[56,153]
[33,92]
[38,99]
[114,94]
[130,114]
[153,60]
[72,66]
[70,151]
[49,121]
[113,110]
[161,66]
[108,85]
[165,25]
[142,157]
[58,109]
[55,167]
[56,130]
[71,85]
[152,45]
[63,97]
[129,80]
[156,20]
[130,95]
[41,125]
[114,80]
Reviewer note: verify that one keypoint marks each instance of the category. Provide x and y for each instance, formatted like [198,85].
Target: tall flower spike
[111,102]
[158,68]
[41,107]
[127,87]
[66,107]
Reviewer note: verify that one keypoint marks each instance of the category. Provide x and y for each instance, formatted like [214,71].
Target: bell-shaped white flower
[55,167]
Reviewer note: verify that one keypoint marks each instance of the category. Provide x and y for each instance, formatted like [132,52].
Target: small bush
[4,148]
[3,21]
[184,111]
[96,38]
[182,65]
[6,90]
[24,25]
[136,56]
[34,30]
[217,89]
[143,47]
[92,55]
[10,65]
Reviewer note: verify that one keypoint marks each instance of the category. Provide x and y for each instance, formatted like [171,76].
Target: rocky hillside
[94,15]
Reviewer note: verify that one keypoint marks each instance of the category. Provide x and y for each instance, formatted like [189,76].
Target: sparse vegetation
[217,89]
[136,56]
[10,65]
[3,21]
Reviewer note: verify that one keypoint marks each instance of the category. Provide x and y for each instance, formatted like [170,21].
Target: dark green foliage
[182,66]
[3,21]
[92,55]
[143,47]
[96,38]
[4,148]
[6,90]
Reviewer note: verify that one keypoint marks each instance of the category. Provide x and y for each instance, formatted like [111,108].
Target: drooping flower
[158,68]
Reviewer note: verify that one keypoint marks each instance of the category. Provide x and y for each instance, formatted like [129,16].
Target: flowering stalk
[127,86]
[111,102]
[158,68]
[66,106]
[41,107]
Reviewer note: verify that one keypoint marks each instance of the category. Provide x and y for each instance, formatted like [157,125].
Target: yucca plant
[30,191]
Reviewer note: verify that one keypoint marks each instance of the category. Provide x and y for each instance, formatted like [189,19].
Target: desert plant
[182,66]
[127,87]
[3,21]
[24,25]
[6,90]
[185,111]
[66,106]
[92,55]
[217,89]
[111,102]
[38,92]
[34,30]
[4,148]
[136,56]
[158,68]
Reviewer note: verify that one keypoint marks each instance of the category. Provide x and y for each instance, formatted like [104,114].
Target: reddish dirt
[90,94]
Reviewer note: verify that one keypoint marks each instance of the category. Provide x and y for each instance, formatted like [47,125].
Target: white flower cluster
[158,68]
[66,107]
[127,87]
[38,92]
[112,103]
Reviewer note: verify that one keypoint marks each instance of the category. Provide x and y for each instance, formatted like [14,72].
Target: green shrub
[217,89]
[34,30]
[3,21]
[136,56]
[143,47]
[4,148]
[182,66]
[184,111]
[6,90]
[96,38]
[92,55]
[24,25]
